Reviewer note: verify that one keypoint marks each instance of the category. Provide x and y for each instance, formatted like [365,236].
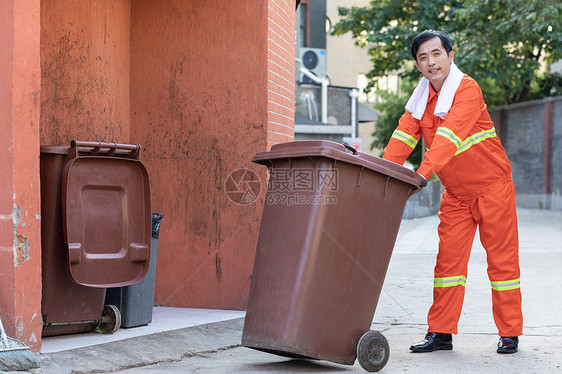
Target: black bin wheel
[373,351]
[110,320]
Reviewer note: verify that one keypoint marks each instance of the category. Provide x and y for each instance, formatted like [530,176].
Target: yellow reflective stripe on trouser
[475,139]
[449,135]
[405,138]
[506,285]
[458,280]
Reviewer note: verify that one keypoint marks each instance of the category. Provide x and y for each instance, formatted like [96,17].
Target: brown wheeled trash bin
[328,228]
[96,229]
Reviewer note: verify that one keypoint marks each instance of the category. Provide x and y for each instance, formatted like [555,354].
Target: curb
[168,346]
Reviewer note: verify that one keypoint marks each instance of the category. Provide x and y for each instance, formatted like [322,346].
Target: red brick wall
[281,72]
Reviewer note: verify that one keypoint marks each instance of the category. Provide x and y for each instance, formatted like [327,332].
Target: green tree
[547,84]
[502,42]
[506,41]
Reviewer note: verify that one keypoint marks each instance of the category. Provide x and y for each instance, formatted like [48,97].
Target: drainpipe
[353,94]
[323,81]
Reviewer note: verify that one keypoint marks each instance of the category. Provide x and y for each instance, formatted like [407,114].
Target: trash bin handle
[107,149]
[353,150]
[422,184]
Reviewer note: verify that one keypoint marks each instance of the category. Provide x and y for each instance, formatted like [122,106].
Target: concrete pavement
[400,316]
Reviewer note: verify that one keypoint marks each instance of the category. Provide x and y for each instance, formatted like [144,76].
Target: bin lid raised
[337,151]
[106,220]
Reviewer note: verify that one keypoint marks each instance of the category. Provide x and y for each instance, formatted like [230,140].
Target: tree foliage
[506,41]
[501,42]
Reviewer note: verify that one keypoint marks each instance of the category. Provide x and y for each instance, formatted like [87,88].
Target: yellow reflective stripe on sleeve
[458,280]
[506,285]
[475,139]
[405,138]
[449,135]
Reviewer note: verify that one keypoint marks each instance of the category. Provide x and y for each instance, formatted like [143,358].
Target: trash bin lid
[337,151]
[106,220]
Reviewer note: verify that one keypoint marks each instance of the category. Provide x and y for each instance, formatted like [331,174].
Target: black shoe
[508,344]
[434,341]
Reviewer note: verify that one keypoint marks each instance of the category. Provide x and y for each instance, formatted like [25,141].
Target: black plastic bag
[156,221]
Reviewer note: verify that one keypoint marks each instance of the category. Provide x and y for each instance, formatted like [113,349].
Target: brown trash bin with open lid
[96,229]
[327,233]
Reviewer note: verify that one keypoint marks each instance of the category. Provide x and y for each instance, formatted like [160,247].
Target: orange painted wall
[6,166]
[85,51]
[199,107]
[191,82]
[202,86]
[20,208]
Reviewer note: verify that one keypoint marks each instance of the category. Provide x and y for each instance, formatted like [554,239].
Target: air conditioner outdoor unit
[314,59]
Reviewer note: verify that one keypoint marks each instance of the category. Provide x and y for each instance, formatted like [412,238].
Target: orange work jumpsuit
[464,151]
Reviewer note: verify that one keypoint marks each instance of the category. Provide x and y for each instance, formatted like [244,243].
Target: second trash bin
[327,232]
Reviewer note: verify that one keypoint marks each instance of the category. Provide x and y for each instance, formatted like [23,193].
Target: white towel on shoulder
[418,101]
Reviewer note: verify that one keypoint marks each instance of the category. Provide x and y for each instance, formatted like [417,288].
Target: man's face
[433,61]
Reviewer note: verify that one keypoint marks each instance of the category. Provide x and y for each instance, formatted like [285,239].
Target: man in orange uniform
[447,108]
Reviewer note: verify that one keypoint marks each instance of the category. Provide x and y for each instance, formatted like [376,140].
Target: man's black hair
[426,35]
